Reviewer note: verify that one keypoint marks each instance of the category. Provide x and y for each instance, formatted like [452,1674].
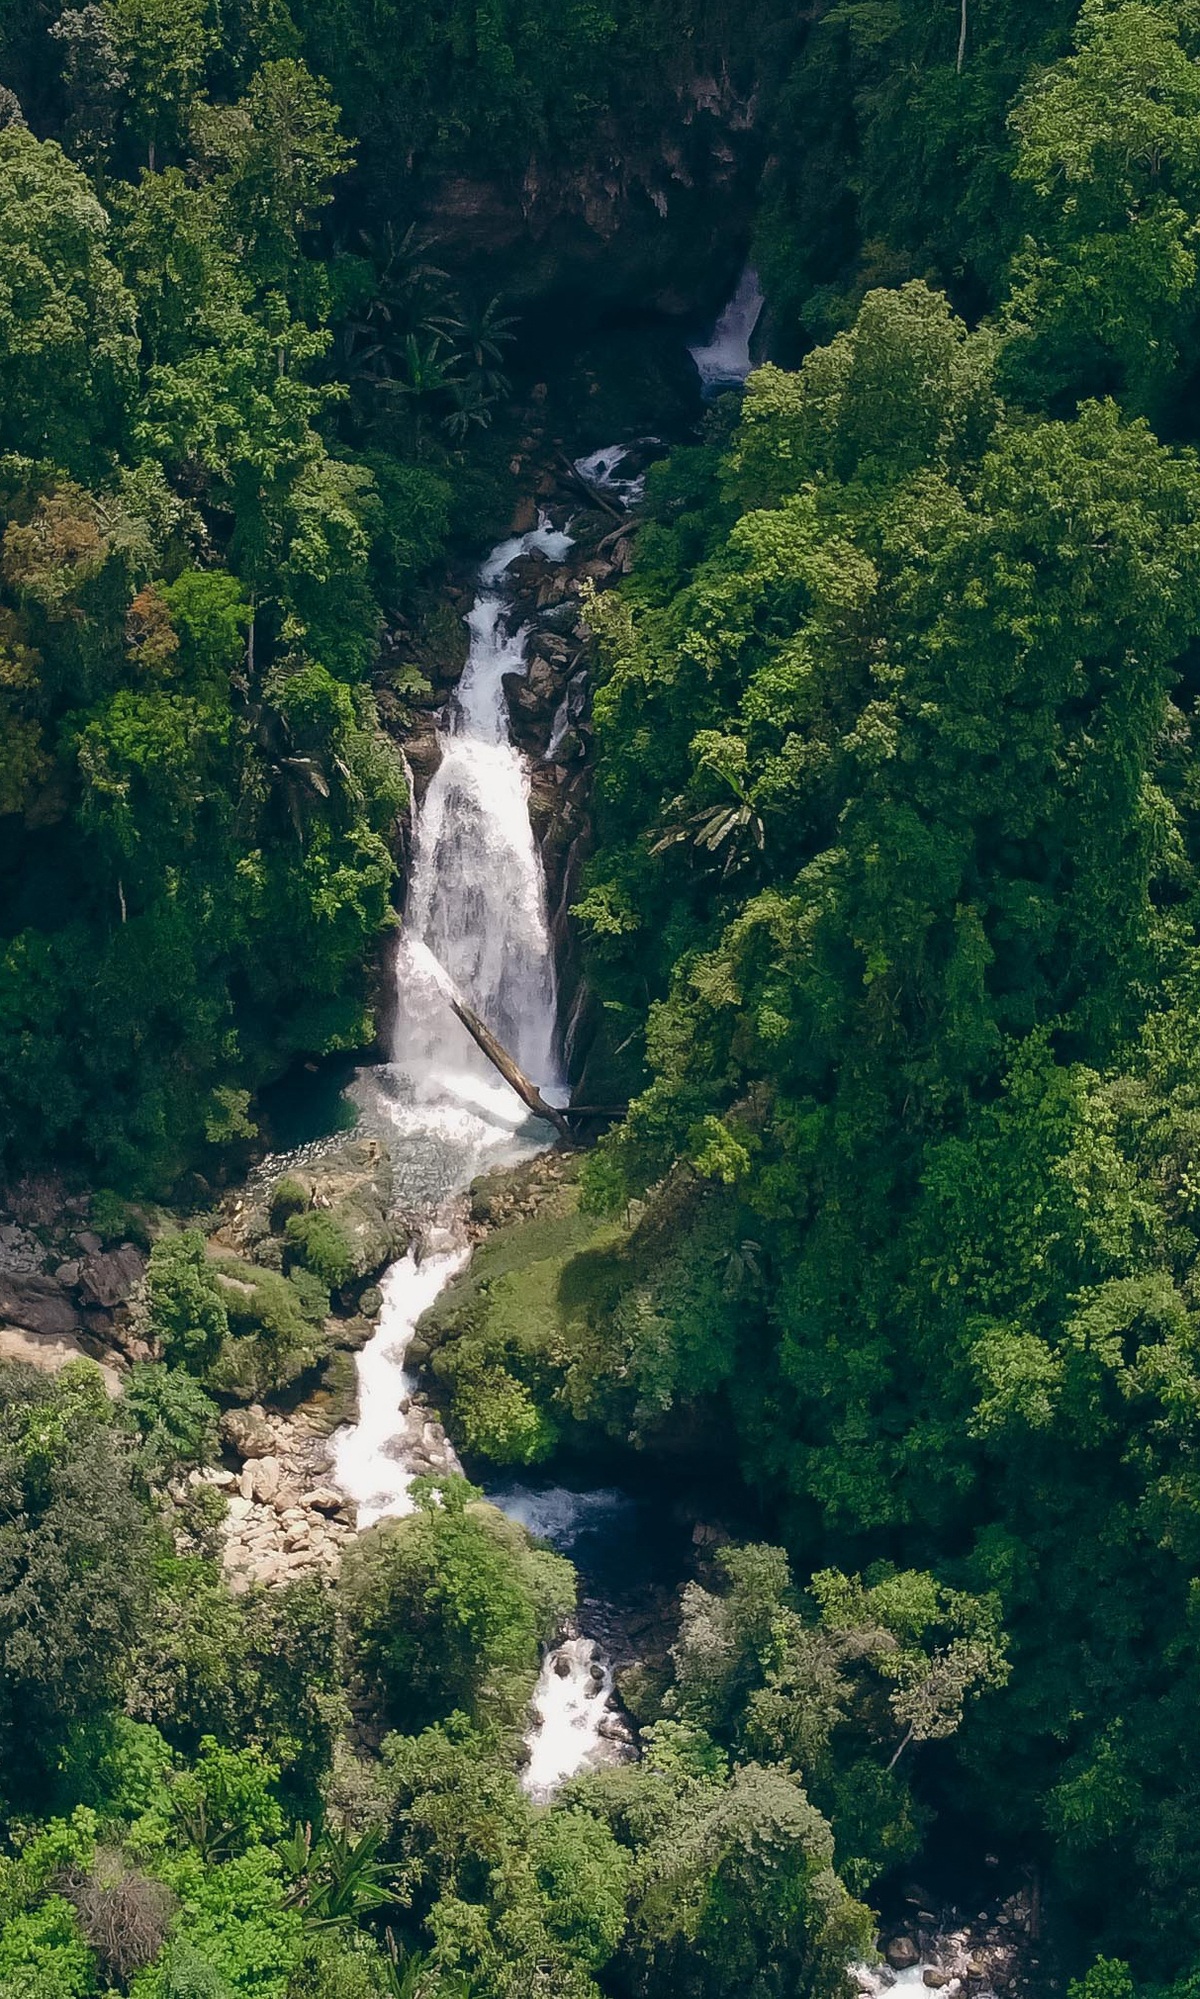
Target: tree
[75,1554]
[447,1609]
[1104,293]
[187,1313]
[68,351]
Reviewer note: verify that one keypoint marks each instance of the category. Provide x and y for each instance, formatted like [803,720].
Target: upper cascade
[724,360]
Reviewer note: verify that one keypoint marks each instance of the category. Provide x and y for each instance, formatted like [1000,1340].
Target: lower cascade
[475,918]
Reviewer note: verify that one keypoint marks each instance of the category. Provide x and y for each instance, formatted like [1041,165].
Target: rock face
[50,1353]
[38,1304]
[650,220]
[109,1279]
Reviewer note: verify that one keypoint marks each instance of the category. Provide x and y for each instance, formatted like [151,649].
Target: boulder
[323,1499]
[39,1304]
[260,1479]
[50,1352]
[247,1436]
[901,1953]
[352,1183]
[109,1279]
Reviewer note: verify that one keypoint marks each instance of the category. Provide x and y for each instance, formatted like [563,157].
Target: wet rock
[110,1278]
[934,1977]
[524,516]
[39,1305]
[901,1953]
[562,1666]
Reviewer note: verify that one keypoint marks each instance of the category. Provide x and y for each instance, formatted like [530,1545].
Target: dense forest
[888,928]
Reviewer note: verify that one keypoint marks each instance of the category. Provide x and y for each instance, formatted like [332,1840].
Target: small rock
[562,1666]
[934,1977]
[90,1244]
[68,1273]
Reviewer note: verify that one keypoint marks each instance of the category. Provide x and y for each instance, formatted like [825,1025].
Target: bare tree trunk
[500,1058]
[962,39]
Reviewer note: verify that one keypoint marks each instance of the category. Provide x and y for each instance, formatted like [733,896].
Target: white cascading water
[476,916]
[724,360]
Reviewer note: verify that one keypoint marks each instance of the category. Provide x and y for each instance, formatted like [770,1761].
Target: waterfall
[724,360]
[476,914]
[477,899]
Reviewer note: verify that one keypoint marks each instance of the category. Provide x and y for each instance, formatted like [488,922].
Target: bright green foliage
[1105,290]
[276,1329]
[175,1420]
[68,352]
[551,1891]
[446,1609]
[187,1313]
[323,1246]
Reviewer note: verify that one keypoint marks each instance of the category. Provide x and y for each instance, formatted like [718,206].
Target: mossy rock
[276,1329]
[345,1231]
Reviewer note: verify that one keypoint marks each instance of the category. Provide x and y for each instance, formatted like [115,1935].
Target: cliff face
[657,224]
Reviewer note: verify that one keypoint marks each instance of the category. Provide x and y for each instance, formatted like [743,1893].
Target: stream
[476,913]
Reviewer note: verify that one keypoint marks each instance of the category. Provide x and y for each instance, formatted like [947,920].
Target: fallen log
[498,1055]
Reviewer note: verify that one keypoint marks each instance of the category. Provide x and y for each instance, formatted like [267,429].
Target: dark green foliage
[904,920]
[75,1562]
[446,1609]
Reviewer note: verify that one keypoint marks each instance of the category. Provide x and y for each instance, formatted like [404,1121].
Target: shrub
[176,1421]
[446,1609]
[275,1329]
[495,1415]
[187,1314]
[123,1914]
